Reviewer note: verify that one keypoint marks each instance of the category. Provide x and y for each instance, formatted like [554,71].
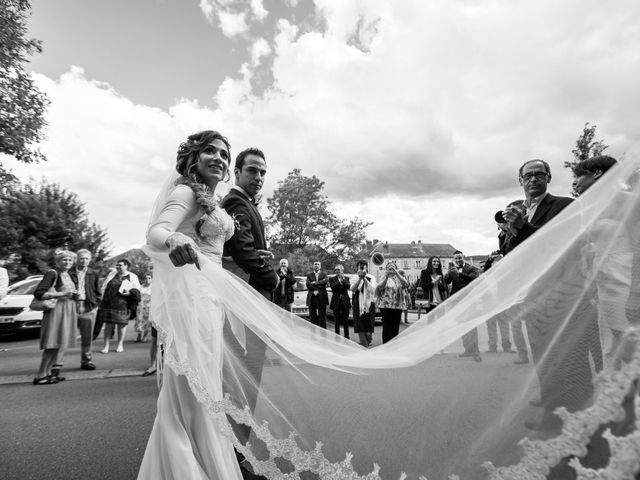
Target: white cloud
[233,23]
[259,49]
[416,114]
[258,10]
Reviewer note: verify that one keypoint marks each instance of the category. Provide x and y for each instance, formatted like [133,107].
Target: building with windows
[410,257]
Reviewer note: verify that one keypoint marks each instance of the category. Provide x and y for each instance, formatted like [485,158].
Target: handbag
[48,304]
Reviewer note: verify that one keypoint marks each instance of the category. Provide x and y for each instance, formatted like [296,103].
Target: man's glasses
[539,175]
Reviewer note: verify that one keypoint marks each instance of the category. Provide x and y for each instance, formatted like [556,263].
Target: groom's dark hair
[248,151]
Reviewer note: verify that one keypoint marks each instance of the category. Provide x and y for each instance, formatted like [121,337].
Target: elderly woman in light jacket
[363,302]
[120,296]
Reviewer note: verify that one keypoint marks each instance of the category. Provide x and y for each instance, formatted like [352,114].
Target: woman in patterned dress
[58,328]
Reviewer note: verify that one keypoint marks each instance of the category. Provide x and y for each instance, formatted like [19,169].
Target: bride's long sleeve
[178,209]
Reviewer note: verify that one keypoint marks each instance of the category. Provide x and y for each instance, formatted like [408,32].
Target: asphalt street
[95,424]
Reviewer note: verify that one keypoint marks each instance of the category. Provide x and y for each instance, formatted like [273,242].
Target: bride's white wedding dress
[327,408]
[186,442]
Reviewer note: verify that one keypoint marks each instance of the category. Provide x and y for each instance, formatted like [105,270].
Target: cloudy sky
[416,113]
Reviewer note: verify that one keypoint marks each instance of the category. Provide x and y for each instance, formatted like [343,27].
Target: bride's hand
[182,250]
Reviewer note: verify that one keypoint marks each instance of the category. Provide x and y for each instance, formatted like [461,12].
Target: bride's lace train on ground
[320,406]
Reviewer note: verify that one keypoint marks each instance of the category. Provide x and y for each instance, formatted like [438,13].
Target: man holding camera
[283,294]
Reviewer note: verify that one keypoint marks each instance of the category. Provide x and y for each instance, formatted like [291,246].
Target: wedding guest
[283,294]
[538,209]
[120,295]
[317,297]
[58,327]
[391,301]
[4,282]
[517,325]
[340,301]
[143,314]
[610,251]
[363,302]
[153,354]
[407,294]
[432,283]
[460,275]
[89,297]
[501,323]
[539,206]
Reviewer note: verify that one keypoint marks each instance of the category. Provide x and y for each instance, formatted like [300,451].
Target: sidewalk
[20,359]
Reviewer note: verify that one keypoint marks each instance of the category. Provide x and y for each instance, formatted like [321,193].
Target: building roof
[409,250]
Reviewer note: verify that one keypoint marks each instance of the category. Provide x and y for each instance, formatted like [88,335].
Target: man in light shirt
[89,296]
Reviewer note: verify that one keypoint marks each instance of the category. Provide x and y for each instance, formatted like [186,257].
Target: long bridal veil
[301,402]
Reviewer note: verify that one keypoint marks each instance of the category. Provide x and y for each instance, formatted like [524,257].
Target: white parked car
[15,314]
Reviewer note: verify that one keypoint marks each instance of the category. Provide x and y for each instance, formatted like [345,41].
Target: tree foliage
[303,223]
[22,105]
[586,146]
[35,220]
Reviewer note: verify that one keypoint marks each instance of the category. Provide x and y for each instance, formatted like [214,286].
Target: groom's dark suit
[247,239]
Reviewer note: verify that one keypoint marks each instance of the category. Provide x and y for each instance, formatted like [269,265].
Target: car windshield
[301,284]
[25,287]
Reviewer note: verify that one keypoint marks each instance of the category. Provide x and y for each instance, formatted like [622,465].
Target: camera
[499,217]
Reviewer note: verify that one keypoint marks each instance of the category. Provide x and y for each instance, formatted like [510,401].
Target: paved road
[92,426]
[85,430]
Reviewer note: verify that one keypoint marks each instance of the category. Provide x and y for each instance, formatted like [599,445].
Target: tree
[22,105]
[301,219]
[586,146]
[35,220]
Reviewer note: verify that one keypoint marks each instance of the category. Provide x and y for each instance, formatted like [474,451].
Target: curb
[78,375]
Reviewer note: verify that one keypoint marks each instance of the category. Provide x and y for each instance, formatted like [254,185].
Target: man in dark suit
[283,294]
[539,206]
[89,296]
[317,297]
[246,251]
[340,301]
[562,362]
[460,275]
[246,254]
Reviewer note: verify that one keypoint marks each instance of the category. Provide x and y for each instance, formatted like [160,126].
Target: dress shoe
[466,354]
[492,350]
[477,358]
[88,366]
[508,350]
[521,360]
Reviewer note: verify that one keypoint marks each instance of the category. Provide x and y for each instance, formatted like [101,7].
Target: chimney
[386,246]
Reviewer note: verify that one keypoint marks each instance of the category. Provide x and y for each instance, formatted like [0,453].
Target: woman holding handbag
[58,328]
[120,297]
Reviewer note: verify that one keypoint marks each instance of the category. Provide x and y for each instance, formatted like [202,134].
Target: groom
[246,255]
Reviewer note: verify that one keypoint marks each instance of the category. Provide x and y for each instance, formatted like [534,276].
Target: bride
[328,408]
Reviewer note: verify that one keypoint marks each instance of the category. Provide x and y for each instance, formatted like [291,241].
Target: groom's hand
[265,255]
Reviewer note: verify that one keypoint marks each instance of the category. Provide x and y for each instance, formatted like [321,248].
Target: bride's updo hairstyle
[187,163]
